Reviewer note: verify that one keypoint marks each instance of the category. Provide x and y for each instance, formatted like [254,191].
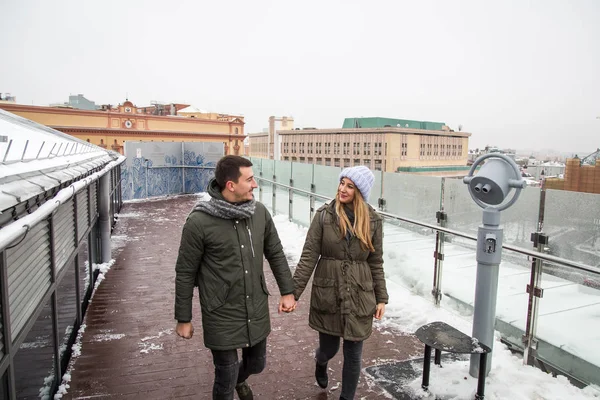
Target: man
[221,252]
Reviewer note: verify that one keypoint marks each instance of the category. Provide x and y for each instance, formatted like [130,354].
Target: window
[346,148]
[337,162]
[377,149]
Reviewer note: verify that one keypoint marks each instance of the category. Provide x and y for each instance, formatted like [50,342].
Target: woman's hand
[379,311]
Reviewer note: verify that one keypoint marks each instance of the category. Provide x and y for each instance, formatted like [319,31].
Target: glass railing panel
[268,169]
[282,200]
[407,258]
[376,190]
[283,172]
[521,219]
[572,223]
[302,174]
[256,165]
[566,324]
[327,180]
[267,194]
[301,209]
[412,196]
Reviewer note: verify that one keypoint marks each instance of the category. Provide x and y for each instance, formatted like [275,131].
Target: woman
[343,247]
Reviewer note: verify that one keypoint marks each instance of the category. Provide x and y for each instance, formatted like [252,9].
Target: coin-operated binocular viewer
[490,190]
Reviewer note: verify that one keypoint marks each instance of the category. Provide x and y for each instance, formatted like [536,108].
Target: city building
[581,175]
[111,126]
[263,143]
[7,97]
[79,102]
[385,144]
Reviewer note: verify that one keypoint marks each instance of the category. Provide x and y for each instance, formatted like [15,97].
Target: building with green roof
[382,144]
[379,122]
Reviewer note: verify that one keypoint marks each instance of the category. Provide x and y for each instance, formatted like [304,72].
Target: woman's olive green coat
[348,281]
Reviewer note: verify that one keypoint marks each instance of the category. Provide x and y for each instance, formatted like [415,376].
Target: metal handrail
[516,249]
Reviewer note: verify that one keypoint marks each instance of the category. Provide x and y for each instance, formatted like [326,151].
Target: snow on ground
[406,312]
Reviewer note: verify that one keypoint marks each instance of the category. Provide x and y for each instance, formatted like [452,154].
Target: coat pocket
[218,298]
[324,296]
[365,301]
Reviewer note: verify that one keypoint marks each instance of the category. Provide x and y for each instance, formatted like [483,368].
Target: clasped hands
[287,303]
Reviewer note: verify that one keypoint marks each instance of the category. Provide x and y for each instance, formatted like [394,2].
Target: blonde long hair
[362,225]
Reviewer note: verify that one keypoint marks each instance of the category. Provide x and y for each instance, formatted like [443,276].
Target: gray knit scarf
[224,209]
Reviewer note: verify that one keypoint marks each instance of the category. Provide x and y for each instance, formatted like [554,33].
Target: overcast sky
[522,74]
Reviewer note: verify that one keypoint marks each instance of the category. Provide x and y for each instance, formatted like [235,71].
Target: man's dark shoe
[244,392]
[321,374]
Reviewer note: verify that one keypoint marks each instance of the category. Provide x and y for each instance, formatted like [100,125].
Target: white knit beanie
[362,177]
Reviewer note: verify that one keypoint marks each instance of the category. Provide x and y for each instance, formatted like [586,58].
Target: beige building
[404,148]
[111,126]
[265,142]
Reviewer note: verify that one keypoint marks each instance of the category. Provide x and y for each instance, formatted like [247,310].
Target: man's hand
[379,311]
[185,330]
[287,303]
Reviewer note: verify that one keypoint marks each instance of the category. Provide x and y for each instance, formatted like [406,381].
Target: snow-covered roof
[192,109]
[35,159]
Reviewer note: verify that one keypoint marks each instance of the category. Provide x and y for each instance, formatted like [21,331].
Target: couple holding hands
[221,252]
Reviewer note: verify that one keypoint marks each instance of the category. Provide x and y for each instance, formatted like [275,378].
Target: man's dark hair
[228,169]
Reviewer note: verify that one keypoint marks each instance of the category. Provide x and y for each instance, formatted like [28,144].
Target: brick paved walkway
[130,350]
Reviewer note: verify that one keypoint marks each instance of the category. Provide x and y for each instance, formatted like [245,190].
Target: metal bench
[443,337]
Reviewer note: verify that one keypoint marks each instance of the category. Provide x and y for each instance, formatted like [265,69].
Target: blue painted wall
[159,169]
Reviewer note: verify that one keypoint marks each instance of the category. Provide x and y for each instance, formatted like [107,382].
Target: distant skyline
[515,74]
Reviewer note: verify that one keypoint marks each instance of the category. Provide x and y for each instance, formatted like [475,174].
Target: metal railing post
[536,292]
[381,203]
[534,289]
[291,198]
[273,203]
[260,189]
[438,254]
[311,200]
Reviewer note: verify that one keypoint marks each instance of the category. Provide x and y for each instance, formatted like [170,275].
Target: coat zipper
[251,244]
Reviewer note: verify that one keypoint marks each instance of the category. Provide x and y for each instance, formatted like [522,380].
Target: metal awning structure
[37,161]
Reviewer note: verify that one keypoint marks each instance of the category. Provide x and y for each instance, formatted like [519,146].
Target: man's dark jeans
[328,347]
[229,371]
